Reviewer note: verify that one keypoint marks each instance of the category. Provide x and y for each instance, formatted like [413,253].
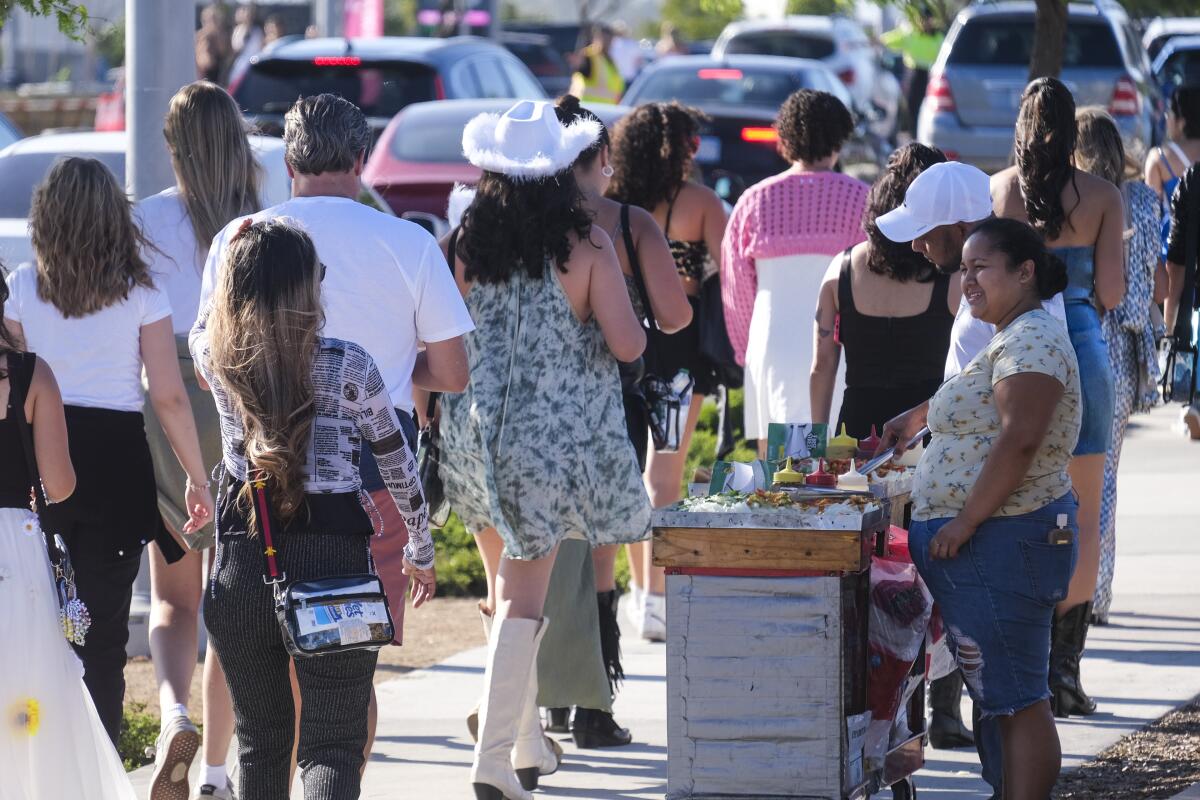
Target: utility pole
[160,57]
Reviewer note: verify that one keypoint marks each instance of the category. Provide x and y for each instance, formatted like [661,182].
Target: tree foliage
[822,8]
[72,17]
[701,19]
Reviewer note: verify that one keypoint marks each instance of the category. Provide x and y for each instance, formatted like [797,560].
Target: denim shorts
[1095,379]
[997,599]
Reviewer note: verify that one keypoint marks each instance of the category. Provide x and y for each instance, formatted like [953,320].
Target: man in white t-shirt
[386,287]
[942,206]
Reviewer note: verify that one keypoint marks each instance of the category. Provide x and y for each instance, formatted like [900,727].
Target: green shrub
[139,731]
[459,567]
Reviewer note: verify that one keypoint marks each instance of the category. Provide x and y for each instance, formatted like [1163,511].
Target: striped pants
[335,689]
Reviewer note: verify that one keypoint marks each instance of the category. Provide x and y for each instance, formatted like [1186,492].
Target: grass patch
[460,570]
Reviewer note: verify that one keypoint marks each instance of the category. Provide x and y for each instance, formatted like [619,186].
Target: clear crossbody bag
[323,615]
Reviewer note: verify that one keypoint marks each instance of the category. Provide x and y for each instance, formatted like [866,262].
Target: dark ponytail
[568,109]
[1020,243]
[1045,143]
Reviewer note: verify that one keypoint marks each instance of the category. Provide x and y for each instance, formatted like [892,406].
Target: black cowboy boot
[592,727]
[1068,635]
[558,720]
[946,729]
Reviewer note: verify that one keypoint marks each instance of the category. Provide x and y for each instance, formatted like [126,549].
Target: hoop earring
[607,171]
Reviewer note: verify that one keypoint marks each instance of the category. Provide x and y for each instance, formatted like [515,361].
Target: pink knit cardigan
[788,214]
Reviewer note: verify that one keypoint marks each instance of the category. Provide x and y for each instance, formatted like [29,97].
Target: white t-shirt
[969,336]
[177,262]
[386,288]
[96,359]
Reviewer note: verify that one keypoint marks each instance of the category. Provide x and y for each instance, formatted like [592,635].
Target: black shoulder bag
[661,403]
[429,451]
[73,615]
[1179,345]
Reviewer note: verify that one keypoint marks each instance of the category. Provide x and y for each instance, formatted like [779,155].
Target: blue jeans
[1095,379]
[997,599]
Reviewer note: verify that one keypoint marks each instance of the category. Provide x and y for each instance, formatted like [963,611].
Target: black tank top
[893,352]
[14,475]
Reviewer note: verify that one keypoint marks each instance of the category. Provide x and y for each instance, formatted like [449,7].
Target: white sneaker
[632,603]
[208,790]
[173,754]
[653,623]
[1191,420]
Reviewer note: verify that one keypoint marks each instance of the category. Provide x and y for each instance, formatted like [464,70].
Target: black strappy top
[891,352]
[691,258]
[14,475]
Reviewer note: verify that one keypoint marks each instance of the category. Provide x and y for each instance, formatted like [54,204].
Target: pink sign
[363,18]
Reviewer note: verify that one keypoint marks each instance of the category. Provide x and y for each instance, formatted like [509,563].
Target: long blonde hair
[1098,146]
[263,330]
[87,247]
[214,167]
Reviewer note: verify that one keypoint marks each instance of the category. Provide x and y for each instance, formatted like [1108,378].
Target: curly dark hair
[897,260]
[514,226]
[812,125]
[652,152]
[1020,242]
[568,109]
[1045,145]
[1185,106]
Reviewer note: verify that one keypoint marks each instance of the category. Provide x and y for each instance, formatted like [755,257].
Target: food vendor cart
[769,648]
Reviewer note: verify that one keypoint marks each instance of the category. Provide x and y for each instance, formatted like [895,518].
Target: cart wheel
[904,790]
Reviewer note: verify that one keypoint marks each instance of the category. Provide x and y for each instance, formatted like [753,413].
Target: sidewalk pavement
[1143,664]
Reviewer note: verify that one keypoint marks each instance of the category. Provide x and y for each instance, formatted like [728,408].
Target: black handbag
[73,615]
[715,346]
[429,454]
[1180,346]
[663,409]
[323,615]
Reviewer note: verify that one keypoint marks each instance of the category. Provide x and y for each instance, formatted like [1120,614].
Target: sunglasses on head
[322,265]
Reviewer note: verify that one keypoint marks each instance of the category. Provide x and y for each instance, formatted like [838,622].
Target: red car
[419,158]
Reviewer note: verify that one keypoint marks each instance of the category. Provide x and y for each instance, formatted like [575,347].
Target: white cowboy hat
[527,142]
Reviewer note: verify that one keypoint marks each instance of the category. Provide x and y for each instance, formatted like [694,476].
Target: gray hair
[324,133]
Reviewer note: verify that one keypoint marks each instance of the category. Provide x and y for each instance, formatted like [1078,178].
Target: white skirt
[52,745]
[779,350]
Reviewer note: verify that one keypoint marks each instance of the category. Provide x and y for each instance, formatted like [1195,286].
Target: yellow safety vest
[605,85]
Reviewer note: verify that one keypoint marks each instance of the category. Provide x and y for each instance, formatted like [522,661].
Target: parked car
[419,157]
[1178,62]
[546,63]
[25,163]
[1161,30]
[838,42]
[381,76]
[975,86]
[741,96]
[565,37]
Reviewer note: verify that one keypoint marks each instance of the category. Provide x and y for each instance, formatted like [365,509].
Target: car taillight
[337,61]
[719,74]
[1125,100]
[846,76]
[769,135]
[439,88]
[939,91]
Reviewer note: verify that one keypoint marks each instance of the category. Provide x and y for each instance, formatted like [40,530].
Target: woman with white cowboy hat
[535,450]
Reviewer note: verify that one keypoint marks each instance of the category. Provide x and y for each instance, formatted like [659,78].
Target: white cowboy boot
[534,753]
[512,654]
[485,617]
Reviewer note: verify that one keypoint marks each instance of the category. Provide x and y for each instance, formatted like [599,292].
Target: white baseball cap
[944,194]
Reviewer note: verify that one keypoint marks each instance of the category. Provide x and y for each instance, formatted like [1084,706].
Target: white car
[839,42]
[25,163]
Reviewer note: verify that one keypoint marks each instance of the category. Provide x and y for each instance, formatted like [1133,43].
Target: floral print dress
[537,446]
[964,422]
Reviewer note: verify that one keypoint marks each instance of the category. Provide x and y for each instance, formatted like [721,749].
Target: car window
[541,59]
[491,79]
[430,138]
[749,87]
[1183,66]
[462,80]
[793,44]
[1133,47]
[1009,42]
[523,84]
[271,86]
[21,173]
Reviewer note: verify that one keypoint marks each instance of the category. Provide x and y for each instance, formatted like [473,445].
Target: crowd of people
[291,354]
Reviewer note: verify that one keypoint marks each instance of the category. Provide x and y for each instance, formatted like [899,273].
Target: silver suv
[970,107]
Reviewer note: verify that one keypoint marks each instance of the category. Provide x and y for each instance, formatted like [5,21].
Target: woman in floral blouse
[990,490]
